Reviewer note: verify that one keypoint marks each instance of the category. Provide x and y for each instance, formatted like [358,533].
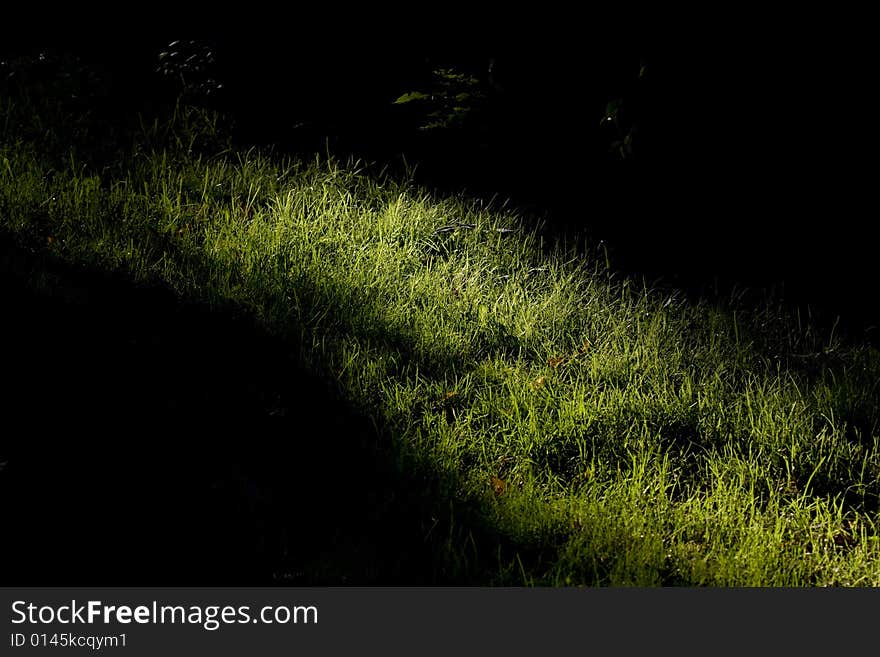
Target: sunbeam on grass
[598,430]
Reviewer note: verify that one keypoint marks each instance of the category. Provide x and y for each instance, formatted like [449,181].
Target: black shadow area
[146,442]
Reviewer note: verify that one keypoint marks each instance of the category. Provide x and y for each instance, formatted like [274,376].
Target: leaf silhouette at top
[411,96]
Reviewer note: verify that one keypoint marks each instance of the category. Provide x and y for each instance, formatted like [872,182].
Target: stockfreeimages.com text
[210,617]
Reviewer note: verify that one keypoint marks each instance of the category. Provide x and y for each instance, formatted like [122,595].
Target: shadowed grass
[605,432]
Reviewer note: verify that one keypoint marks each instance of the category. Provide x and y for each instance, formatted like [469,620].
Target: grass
[586,429]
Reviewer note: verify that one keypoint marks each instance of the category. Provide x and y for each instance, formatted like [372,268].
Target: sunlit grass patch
[598,430]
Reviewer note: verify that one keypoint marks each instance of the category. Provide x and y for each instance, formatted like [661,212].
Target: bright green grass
[624,435]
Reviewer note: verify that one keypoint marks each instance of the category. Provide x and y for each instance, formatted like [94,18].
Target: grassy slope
[608,433]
